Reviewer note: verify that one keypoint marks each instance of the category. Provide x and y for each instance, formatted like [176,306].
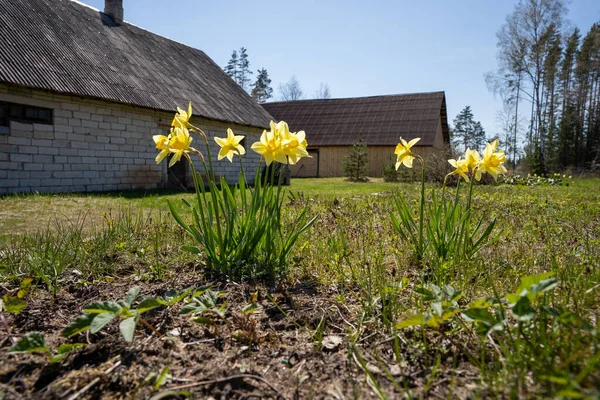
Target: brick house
[82,93]
[334,125]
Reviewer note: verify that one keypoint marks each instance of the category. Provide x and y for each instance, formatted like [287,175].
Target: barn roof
[381,120]
[67,47]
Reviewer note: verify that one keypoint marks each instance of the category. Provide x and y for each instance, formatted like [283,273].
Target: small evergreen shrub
[356,163]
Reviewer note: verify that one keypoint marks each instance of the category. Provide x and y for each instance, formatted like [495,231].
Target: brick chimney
[114,8]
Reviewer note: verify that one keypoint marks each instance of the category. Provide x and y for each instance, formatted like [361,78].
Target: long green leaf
[101,307]
[80,324]
[148,304]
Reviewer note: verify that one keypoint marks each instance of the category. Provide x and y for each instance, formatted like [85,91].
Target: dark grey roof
[381,120]
[67,47]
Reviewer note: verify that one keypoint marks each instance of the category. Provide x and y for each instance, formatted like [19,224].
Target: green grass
[32,213]
[353,247]
[340,187]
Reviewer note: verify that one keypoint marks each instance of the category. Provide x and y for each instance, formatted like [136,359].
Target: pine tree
[463,128]
[261,88]
[479,139]
[244,69]
[583,78]
[566,130]
[355,164]
[591,141]
[467,132]
[238,68]
[550,78]
[231,68]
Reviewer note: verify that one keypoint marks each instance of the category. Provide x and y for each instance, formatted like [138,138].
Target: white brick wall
[96,145]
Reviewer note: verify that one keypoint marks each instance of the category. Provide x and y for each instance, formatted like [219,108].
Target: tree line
[238,68]
[551,75]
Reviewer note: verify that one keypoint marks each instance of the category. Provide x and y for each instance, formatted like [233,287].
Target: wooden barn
[332,126]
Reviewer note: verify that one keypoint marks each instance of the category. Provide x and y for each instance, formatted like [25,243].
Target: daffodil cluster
[278,144]
[490,162]
[446,227]
[281,145]
[238,231]
[179,140]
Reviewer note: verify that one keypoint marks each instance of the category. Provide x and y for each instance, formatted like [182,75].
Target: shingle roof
[67,47]
[381,120]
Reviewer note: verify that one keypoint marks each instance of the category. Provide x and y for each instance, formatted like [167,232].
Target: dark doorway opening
[177,175]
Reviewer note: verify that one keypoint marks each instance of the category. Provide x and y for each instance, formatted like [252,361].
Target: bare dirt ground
[300,349]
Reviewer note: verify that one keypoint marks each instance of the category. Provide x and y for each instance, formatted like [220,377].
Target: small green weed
[99,314]
[35,342]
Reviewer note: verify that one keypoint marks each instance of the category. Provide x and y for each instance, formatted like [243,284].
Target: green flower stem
[467,223]
[422,211]
[196,184]
[244,182]
[470,192]
[211,172]
[200,191]
[213,194]
[242,168]
[272,178]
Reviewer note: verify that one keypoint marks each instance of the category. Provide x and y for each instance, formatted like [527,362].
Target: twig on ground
[229,378]
[175,379]
[143,321]
[341,331]
[390,339]
[198,342]
[299,366]
[344,319]
[368,337]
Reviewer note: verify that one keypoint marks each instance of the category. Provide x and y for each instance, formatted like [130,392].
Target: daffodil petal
[412,142]
[161,156]
[220,141]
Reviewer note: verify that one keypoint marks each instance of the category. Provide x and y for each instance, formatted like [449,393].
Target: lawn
[31,213]
[357,316]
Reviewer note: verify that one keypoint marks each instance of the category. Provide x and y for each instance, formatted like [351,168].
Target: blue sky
[358,48]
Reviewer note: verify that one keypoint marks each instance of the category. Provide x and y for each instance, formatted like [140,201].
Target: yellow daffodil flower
[294,146]
[473,160]
[280,130]
[281,145]
[492,160]
[182,117]
[230,145]
[270,147]
[405,156]
[461,167]
[179,143]
[162,144]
